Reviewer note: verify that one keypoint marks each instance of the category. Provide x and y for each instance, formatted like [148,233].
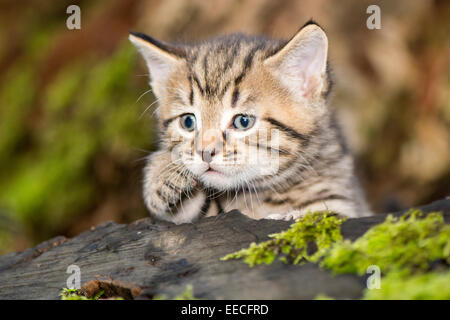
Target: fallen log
[144,259]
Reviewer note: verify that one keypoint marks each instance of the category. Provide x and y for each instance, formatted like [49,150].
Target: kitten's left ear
[301,65]
[161,59]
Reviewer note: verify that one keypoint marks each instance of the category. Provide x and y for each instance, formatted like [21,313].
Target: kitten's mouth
[216,178]
[212,171]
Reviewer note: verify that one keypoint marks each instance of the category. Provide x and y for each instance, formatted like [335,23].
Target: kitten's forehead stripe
[217,63]
[191,95]
[225,88]
[231,57]
[205,75]
[248,62]
[199,86]
[235,97]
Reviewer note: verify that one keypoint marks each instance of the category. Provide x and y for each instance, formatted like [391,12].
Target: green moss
[322,296]
[187,294]
[313,232]
[405,249]
[428,286]
[74,294]
[407,244]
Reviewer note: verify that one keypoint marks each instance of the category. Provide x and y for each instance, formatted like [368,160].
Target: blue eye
[188,122]
[243,122]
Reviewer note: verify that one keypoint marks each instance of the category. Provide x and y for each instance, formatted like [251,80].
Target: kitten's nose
[208,145]
[207,155]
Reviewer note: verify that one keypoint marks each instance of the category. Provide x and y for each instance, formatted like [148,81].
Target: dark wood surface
[144,259]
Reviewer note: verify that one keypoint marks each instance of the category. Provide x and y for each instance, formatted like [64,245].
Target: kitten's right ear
[161,58]
[301,65]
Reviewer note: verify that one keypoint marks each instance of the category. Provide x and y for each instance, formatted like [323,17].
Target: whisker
[232,200]
[251,199]
[245,200]
[146,109]
[149,90]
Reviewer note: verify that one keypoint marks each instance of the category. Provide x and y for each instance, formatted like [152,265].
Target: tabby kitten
[245,124]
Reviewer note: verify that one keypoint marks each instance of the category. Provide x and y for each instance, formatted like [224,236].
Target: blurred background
[73,131]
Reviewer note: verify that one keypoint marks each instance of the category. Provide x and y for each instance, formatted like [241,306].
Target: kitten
[245,124]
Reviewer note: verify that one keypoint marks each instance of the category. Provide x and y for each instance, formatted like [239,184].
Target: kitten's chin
[217,180]
[219,177]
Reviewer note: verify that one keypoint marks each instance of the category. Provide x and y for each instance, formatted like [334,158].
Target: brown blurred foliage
[392,86]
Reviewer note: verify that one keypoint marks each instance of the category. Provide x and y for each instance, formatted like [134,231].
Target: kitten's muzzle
[208,145]
[207,155]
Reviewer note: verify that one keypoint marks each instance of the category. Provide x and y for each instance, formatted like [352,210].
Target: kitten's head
[236,109]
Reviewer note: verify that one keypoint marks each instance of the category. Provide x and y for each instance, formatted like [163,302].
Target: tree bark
[144,259]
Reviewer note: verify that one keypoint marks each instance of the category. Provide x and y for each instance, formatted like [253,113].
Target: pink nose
[208,145]
[207,155]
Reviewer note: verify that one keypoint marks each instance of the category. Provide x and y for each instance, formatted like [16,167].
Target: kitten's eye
[188,122]
[243,122]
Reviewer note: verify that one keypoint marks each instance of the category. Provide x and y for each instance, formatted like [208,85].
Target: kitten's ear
[160,57]
[301,65]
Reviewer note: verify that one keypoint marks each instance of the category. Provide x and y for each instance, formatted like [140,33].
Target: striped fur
[284,87]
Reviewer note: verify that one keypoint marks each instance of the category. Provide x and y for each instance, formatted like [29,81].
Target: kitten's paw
[291,215]
[165,195]
[165,188]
